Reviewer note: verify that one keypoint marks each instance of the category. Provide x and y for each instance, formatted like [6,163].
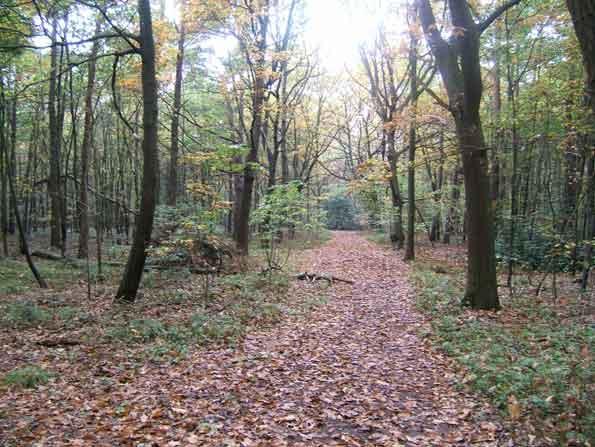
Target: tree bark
[172,180]
[583,19]
[410,246]
[83,203]
[459,64]
[54,184]
[150,182]
[242,233]
[4,173]
[589,221]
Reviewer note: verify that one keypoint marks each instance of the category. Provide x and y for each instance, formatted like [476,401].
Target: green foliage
[252,304]
[250,284]
[188,230]
[285,210]
[540,361]
[341,212]
[27,377]
[536,247]
[282,208]
[15,276]
[25,314]
[218,328]
[146,330]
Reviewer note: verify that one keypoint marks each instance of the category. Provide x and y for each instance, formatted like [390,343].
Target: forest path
[353,373]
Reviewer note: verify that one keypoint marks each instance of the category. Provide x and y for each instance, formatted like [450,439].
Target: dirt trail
[353,373]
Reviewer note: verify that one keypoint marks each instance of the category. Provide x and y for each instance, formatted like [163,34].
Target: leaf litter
[353,372]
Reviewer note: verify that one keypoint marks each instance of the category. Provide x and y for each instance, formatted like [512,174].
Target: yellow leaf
[514,407]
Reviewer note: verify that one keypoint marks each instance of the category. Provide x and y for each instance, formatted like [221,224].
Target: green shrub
[141,330]
[25,314]
[148,330]
[216,328]
[27,377]
[341,212]
[68,314]
[538,361]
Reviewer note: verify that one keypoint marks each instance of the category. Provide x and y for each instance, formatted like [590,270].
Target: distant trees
[83,141]
[341,212]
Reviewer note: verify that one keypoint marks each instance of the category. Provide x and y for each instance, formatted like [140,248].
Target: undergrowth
[26,314]
[27,377]
[526,356]
[250,300]
[15,276]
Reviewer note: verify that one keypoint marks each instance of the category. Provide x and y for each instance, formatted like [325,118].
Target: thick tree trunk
[172,180]
[482,287]
[150,182]
[458,61]
[83,203]
[583,18]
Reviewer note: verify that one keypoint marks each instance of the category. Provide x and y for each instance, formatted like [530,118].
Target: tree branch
[497,13]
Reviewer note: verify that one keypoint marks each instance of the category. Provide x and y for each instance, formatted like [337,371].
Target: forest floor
[323,365]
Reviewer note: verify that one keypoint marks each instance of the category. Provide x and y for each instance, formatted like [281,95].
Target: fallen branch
[315,277]
[182,267]
[53,343]
[47,255]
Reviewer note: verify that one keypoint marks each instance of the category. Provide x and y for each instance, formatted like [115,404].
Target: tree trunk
[589,221]
[150,182]
[459,64]
[83,203]
[23,240]
[242,233]
[410,250]
[54,183]
[396,226]
[172,180]
[4,172]
[481,287]
[583,18]
[12,164]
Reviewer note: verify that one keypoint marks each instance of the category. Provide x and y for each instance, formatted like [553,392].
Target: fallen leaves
[351,373]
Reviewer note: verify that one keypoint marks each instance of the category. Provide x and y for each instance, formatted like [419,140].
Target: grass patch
[146,330]
[239,303]
[216,328]
[27,377]
[25,314]
[15,276]
[526,353]
[378,237]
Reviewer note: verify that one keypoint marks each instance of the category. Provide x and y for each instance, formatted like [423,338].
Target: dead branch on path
[316,277]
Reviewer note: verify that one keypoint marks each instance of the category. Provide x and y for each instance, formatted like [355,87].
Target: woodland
[223,226]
